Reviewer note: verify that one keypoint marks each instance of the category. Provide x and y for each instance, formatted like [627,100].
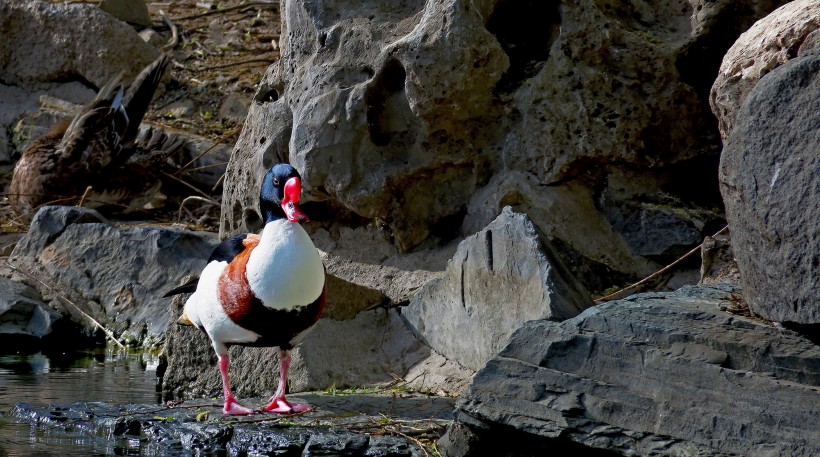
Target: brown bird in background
[99,157]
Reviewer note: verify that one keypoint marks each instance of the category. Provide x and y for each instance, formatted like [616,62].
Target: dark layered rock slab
[369,349]
[654,374]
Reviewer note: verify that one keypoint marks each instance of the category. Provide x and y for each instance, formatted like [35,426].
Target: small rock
[180,109]
[153,38]
[717,262]
[219,37]
[133,11]
[234,108]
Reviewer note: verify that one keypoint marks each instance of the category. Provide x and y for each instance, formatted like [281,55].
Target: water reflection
[43,379]
[21,365]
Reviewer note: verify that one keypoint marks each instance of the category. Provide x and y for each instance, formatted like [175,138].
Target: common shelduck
[101,148]
[261,290]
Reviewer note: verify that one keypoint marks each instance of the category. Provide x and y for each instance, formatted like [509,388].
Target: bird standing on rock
[261,290]
[99,148]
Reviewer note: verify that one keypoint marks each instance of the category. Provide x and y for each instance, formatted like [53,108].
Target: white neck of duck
[285,270]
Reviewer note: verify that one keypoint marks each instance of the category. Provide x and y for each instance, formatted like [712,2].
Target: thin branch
[205,167]
[228,10]
[172,43]
[219,181]
[193,198]
[657,273]
[238,62]
[85,196]
[190,186]
[191,162]
[107,332]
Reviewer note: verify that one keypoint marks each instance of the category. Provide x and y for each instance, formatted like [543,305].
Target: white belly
[204,309]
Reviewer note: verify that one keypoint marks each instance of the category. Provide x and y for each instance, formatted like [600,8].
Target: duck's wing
[94,136]
[141,92]
[98,135]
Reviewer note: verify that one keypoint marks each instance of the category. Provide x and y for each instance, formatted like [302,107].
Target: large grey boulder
[420,117]
[499,278]
[45,42]
[769,43]
[771,186]
[654,374]
[117,274]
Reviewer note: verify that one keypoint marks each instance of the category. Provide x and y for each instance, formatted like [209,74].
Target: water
[39,379]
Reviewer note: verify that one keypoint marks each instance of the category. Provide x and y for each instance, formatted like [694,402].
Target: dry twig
[172,43]
[657,273]
[190,199]
[238,62]
[191,186]
[85,196]
[228,10]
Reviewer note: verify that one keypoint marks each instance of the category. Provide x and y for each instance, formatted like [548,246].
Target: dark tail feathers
[187,288]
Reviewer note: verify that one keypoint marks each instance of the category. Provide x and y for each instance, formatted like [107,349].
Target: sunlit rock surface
[498,279]
[117,275]
[427,118]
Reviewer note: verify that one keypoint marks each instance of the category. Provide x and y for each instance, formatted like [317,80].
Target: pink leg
[232,406]
[278,403]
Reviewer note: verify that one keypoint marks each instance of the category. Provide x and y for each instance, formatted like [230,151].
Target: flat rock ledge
[654,374]
[379,424]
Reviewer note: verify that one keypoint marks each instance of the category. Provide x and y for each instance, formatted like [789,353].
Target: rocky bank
[476,172]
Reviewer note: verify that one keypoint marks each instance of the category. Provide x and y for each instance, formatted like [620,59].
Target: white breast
[285,270]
